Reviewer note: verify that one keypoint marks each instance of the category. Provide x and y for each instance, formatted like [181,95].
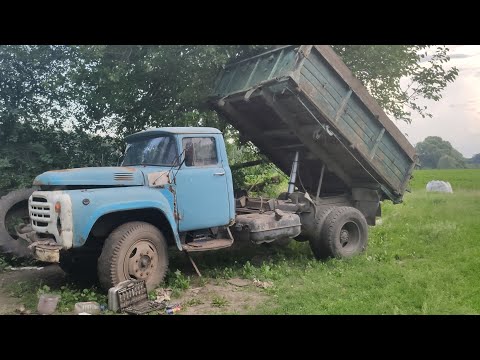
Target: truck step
[213,244]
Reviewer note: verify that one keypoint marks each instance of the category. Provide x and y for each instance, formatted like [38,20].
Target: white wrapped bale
[439,186]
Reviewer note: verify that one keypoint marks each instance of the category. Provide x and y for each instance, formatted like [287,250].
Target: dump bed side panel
[303,98]
[345,111]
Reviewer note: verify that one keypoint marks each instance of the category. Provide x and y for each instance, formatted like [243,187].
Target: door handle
[219,174]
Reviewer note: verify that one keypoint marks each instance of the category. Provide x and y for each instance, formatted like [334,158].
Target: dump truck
[300,106]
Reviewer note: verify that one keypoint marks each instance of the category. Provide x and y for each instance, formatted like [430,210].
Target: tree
[435,153]
[475,159]
[447,162]
[37,103]
[381,67]
[128,88]
[59,102]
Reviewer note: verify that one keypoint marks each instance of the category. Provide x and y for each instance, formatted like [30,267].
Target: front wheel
[135,250]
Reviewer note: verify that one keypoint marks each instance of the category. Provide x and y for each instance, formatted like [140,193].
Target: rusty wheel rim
[349,236]
[140,260]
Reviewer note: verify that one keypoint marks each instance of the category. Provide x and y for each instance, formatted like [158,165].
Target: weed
[219,301]
[178,282]
[30,292]
[3,263]
[248,270]
[69,296]
[193,302]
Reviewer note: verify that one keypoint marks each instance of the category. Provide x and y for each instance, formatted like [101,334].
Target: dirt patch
[221,297]
[234,296]
[50,275]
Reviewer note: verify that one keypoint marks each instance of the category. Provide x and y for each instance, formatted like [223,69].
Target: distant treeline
[436,153]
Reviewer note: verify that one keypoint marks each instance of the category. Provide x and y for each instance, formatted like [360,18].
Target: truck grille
[40,211]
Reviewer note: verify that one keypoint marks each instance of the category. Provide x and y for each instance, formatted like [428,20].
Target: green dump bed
[304,98]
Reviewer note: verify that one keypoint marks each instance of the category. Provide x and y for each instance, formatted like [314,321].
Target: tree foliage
[435,153]
[65,106]
[475,159]
[382,67]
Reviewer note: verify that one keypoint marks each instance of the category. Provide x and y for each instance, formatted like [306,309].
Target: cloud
[456,116]
[460,56]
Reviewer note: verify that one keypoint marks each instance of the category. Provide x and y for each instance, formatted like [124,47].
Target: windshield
[152,151]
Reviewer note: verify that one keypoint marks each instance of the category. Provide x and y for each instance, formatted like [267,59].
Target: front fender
[109,200]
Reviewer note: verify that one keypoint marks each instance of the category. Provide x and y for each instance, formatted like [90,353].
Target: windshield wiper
[148,164]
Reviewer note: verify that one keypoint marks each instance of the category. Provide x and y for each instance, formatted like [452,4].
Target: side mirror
[189,155]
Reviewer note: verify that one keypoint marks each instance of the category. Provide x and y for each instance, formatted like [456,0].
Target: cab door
[202,191]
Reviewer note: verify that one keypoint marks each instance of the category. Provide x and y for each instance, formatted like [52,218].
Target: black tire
[14,204]
[134,250]
[344,234]
[319,247]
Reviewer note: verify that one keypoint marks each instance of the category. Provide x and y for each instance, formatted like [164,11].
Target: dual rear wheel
[343,234]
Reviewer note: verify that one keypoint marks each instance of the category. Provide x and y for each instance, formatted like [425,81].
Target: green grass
[29,293]
[219,301]
[461,179]
[423,259]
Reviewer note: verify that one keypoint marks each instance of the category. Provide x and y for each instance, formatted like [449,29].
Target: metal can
[172,309]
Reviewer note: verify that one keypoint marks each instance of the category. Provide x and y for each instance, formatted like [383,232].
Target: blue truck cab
[174,183]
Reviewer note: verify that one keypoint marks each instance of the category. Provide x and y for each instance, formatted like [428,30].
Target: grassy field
[423,259]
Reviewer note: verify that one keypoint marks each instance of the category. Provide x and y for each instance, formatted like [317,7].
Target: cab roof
[172,130]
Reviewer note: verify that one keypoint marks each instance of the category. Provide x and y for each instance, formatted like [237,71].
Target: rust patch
[159,179]
[129,169]
[63,170]
[176,215]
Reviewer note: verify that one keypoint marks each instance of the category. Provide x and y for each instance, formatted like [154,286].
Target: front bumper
[47,252]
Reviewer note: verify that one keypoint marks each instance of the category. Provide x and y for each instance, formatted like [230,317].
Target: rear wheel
[134,250]
[344,234]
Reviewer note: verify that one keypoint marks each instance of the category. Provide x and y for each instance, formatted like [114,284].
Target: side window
[200,151]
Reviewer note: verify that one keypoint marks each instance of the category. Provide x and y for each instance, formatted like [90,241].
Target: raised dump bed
[305,99]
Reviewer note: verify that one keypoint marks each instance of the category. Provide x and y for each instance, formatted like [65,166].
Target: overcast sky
[456,117]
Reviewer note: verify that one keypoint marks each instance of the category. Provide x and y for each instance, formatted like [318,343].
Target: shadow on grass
[230,262]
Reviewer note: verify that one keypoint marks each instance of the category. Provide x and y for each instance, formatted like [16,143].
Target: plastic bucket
[47,304]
